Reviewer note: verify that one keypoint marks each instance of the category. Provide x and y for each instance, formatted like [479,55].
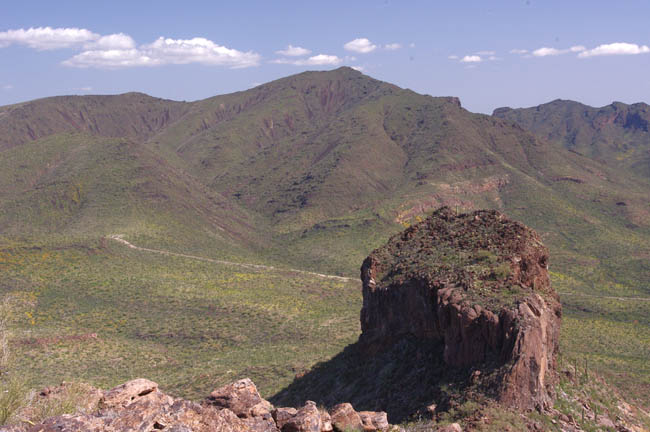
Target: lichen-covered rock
[479,284]
[326,421]
[139,405]
[186,415]
[262,423]
[242,398]
[345,418]
[374,421]
[307,419]
[128,393]
[283,415]
[144,413]
[69,423]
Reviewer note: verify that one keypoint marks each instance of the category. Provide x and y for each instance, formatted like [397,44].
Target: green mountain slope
[82,186]
[314,171]
[616,134]
[321,150]
[131,115]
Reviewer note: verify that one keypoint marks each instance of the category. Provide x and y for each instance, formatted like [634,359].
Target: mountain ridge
[314,171]
[616,134]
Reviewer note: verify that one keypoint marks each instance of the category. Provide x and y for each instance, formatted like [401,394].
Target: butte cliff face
[476,284]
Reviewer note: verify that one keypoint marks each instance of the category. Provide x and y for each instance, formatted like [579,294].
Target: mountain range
[315,170]
[616,135]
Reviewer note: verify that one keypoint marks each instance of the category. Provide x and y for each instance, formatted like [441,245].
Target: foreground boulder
[307,419]
[243,399]
[283,415]
[344,418]
[341,418]
[373,421]
[128,393]
[139,405]
[478,284]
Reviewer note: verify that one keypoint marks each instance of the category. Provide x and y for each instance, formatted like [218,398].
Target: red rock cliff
[478,283]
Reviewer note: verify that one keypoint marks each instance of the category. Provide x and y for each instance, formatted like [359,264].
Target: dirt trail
[118,238]
[604,297]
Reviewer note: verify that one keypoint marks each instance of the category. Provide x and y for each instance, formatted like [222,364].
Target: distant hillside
[131,115]
[616,134]
[316,168]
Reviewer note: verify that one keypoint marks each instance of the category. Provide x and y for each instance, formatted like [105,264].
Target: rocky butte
[477,285]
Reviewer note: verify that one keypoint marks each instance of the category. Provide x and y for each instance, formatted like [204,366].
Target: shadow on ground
[403,380]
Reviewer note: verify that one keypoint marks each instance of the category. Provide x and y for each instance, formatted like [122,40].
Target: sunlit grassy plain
[108,314]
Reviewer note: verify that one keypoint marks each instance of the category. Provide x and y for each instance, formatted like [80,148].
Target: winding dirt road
[604,297]
[119,238]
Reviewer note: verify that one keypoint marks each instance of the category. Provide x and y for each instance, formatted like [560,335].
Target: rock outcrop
[477,283]
[139,405]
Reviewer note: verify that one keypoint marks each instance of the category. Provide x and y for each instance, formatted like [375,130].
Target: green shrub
[12,398]
[501,272]
[484,255]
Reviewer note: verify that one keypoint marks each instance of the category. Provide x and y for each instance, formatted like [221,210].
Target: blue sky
[488,53]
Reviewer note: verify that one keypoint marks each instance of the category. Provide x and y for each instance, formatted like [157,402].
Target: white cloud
[166,51]
[471,59]
[120,50]
[475,58]
[518,51]
[412,45]
[7,87]
[294,51]
[84,89]
[317,60]
[392,46]
[323,59]
[360,45]
[112,41]
[47,38]
[198,50]
[546,51]
[617,48]
[111,59]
